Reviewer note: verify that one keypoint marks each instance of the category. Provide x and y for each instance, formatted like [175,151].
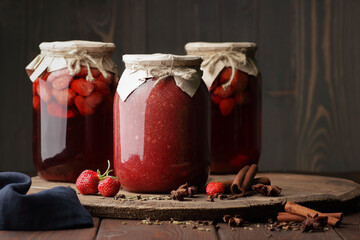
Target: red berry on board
[87,182]
[215,187]
[109,187]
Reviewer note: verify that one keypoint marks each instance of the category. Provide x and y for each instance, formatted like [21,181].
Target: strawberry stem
[106,173]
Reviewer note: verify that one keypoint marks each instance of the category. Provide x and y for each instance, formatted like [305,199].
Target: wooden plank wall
[309,55]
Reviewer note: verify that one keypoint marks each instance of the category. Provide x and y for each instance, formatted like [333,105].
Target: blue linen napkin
[56,208]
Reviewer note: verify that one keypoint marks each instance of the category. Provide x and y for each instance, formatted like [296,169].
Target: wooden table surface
[107,228]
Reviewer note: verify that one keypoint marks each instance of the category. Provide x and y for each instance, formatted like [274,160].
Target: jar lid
[205,47]
[65,46]
[159,59]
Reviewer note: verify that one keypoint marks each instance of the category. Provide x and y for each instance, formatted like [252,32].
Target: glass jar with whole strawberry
[161,124]
[232,76]
[73,91]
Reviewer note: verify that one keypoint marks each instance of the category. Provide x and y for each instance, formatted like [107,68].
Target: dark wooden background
[309,55]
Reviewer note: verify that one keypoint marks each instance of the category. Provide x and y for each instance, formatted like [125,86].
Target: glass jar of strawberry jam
[161,124]
[73,91]
[232,76]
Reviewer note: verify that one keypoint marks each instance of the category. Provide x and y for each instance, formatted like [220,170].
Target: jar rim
[89,46]
[193,47]
[159,59]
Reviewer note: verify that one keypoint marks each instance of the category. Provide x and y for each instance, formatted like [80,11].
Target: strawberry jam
[72,123]
[161,137]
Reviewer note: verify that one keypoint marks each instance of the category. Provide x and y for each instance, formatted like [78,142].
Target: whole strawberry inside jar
[232,76]
[161,124]
[73,91]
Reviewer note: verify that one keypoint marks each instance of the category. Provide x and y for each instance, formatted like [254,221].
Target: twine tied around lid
[80,56]
[162,72]
[232,58]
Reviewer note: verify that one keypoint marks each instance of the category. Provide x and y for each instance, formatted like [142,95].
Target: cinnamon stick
[297,209]
[293,217]
[243,180]
[263,180]
[227,185]
[289,217]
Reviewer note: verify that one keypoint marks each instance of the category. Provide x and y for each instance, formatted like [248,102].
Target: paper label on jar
[213,65]
[131,79]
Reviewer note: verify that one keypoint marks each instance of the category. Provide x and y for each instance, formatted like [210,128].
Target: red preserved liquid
[236,122]
[72,124]
[162,137]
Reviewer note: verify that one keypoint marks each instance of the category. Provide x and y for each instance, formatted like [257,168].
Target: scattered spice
[286,226]
[267,190]
[233,221]
[316,223]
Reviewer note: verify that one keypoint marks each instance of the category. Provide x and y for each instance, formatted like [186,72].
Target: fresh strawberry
[87,182]
[221,92]
[43,90]
[94,99]
[36,103]
[102,87]
[226,106]
[84,72]
[64,97]
[82,106]
[215,187]
[82,87]
[62,82]
[109,186]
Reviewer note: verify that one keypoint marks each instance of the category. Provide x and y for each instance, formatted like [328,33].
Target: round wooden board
[321,193]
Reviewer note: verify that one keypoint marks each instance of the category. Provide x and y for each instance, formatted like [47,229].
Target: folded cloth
[56,208]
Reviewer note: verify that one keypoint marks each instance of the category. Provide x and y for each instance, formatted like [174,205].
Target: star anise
[192,191]
[233,221]
[314,223]
[183,191]
[267,190]
[179,194]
